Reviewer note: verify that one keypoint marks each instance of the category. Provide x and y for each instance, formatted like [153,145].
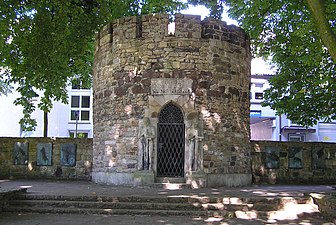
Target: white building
[62,120]
[266,125]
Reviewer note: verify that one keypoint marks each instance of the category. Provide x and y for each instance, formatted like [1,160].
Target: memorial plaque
[272,158]
[318,156]
[171,86]
[295,158]
[68,154]
[44,154]
[20,153]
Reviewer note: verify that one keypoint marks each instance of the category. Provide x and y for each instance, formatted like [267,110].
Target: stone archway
[170,142]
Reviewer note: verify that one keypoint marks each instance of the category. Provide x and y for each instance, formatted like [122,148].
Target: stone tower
[171,105]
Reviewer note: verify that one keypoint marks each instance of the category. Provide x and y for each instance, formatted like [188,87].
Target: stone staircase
[228,207]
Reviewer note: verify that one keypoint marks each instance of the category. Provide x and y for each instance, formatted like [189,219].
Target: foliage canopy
[299,36]
[47,44]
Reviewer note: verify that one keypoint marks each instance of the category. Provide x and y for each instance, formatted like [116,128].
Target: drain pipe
[280,138]
[318,131]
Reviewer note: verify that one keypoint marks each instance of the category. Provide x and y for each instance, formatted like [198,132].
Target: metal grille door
[170,155]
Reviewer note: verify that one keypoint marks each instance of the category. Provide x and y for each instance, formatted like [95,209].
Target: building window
[259,85]
[255,113]
[259,95]
[80,108]
[80,134]
[296,137]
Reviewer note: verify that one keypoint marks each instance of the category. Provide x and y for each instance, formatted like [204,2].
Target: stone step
[142,205]
[129,211]
[211,203]
[171,183]
[170,186]
[163,199]
[331,214]
[258,201]
[54,210]
[176,180]
[105,205]
[135,205]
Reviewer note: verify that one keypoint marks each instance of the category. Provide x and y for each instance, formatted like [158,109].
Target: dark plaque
[68,154]
[20,153]
[44,154]
[318,156]
[295,158]
[272,158]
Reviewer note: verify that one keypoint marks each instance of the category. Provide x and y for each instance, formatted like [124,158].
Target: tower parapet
[186,26]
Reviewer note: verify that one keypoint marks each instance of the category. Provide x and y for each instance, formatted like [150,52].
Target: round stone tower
[171,106]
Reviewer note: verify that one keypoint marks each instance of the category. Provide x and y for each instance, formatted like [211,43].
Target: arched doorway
[171,135]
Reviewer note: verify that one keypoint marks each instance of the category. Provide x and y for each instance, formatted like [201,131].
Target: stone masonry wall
[318,163]
[293,162]
[29,167]
[132,52]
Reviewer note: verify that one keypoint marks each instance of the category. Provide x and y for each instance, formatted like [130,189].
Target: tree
[5,87]
[299,36]
[47,44]
[319,11]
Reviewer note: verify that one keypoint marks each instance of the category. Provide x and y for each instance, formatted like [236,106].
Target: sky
[258,65]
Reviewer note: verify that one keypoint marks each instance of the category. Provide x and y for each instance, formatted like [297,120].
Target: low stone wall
[55,158]
[65,158]
[293,162]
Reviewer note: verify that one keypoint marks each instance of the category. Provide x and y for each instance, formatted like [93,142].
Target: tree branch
[327,35]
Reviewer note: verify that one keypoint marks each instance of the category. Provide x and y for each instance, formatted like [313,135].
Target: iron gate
[170,154]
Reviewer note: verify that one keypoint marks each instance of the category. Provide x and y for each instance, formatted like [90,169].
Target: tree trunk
[326,33]
[45,125]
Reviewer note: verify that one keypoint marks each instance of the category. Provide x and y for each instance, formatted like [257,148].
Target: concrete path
[75,188]
[88,188]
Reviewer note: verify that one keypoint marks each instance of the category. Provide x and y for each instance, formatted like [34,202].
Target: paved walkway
[88,188]
[74,188]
